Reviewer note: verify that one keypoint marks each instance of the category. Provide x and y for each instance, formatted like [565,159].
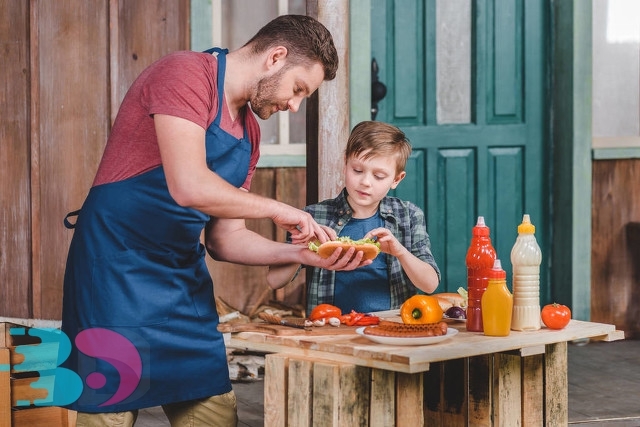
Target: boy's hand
[388,242]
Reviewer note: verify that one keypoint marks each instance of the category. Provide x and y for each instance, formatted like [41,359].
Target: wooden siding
[615,254]
[66,67]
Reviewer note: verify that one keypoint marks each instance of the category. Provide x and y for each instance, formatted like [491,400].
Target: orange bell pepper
[421,309]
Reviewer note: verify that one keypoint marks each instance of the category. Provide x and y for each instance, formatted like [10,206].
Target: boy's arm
[420,272]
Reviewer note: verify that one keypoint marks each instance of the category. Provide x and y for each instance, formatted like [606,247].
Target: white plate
[407,341]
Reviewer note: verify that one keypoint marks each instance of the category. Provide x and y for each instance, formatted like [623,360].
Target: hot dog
[450,299]
[370,247]
[394,329]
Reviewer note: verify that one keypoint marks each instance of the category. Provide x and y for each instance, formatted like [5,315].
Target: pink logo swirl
[118,351]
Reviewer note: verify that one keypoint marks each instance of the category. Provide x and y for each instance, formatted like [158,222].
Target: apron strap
[67,223]
[222,65]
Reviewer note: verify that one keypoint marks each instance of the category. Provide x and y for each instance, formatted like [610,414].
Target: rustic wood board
[349,347]
[280,330]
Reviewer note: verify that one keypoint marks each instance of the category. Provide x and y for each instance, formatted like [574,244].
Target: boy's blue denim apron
[138,298]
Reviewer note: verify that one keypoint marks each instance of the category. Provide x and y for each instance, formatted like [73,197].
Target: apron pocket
[132,288]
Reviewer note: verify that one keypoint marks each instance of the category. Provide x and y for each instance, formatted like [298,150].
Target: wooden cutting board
[270,329]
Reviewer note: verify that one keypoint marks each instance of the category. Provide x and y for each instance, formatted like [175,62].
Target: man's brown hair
[378,139]
[307,42]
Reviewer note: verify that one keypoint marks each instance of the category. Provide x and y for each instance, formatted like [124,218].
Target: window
[616,74]
[229,24]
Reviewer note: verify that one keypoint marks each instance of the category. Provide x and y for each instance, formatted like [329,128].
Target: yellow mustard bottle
[497,303]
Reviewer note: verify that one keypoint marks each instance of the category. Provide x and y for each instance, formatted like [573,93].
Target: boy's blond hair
[378,139]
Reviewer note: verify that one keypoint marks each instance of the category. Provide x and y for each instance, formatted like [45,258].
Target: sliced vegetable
[367,320]
[354,317]
[464,294]
[420,309]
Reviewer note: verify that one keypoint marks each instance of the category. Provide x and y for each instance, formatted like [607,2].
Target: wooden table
[469,379]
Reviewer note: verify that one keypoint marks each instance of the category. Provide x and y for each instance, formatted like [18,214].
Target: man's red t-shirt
[181,84]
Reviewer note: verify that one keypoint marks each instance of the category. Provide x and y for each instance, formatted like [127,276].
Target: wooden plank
[383,396]
[409,401]
[73,125]
[556,385]
[615,297]
[480,399]
[432,401]
[354,395]
[5,389]
[15,185]
[275,390]
[266,328]
[326,382]
[50,416]
[533,391]
[454,393]
[507,394]
[23,392]
[300,398]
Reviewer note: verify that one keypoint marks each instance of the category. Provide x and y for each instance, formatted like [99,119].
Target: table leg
[507,395]
[533,391]
[556,384]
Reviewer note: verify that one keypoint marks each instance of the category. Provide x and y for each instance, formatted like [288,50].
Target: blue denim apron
[138,301]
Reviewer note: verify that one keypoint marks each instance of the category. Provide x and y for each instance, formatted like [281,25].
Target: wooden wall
[66,65]
[615,260]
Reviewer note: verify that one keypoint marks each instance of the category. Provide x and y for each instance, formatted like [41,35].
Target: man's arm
[192,184]
[229,240]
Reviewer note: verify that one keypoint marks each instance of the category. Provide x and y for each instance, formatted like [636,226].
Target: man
[138,299]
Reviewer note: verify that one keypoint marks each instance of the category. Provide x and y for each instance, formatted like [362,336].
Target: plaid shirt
[407,223]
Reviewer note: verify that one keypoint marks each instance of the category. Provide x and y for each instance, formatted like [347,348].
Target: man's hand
[300,224]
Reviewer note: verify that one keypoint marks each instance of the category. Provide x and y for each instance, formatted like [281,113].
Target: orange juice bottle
[497,303]
[480,258]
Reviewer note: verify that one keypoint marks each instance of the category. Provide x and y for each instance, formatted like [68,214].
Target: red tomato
[555,316]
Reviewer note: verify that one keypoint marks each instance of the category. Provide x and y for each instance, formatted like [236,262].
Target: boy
[375,159]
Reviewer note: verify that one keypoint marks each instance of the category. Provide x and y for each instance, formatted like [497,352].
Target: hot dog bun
[326,249]
[450,299]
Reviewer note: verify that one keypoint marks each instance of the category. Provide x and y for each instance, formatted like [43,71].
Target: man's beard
[264,101]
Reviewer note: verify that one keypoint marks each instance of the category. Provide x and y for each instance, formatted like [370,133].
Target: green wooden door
[466,82]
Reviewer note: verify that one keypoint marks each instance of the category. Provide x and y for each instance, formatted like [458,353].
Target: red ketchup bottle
[480,259]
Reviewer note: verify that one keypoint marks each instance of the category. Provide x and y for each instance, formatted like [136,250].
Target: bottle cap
[480,228]
[497,272]
[526,227]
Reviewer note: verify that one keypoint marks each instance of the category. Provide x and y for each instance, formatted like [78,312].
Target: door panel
[474,117]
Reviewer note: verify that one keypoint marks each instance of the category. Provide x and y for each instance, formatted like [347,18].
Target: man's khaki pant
[216,411]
